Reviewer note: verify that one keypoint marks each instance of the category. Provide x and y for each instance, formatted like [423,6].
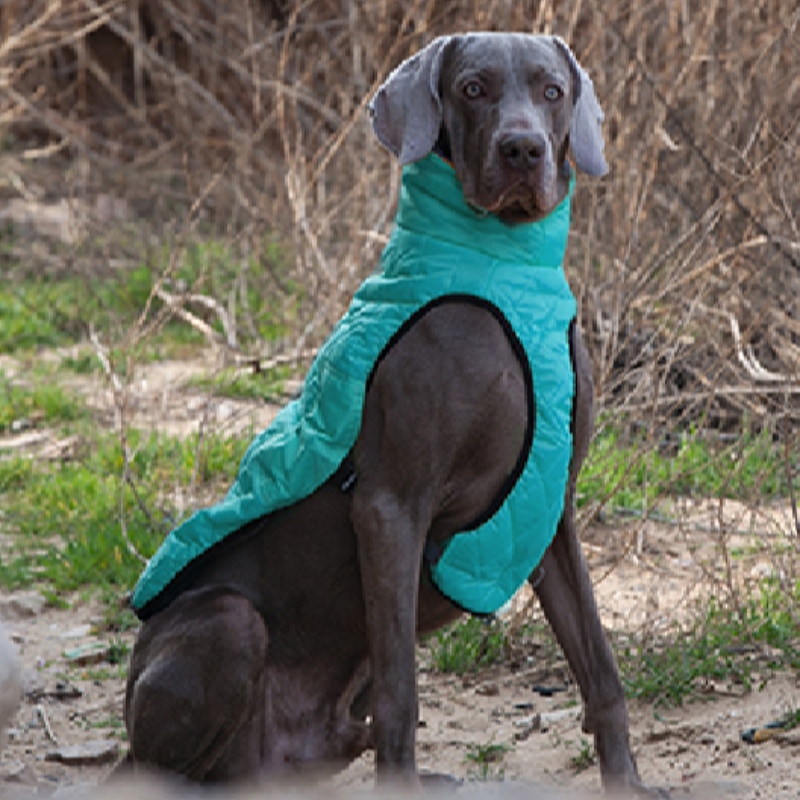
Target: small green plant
[118,652]
[791,720]
[487,760]
[469,645]
[585,757]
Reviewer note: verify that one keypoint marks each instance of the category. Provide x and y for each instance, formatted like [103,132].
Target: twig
[145,510]
[126,480]
[119,407]
[198,324]
[278,360]
[209,302]
[787,463]
[685,525]
[40,710]
[708,164]
[745,354]
[189,224]
[721,391]
[100,352]
[198,453]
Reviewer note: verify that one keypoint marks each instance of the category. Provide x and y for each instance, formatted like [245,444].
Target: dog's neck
[432,204]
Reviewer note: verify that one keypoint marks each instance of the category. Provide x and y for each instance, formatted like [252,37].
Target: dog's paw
[634,787]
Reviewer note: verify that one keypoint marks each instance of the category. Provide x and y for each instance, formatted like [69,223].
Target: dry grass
[248,118]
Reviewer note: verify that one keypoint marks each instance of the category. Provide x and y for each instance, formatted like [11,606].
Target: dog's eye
[473,90]
[552,92]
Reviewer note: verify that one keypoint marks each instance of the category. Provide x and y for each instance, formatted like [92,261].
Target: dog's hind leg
[195,690]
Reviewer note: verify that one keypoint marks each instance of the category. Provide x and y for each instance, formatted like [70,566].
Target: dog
[429,466]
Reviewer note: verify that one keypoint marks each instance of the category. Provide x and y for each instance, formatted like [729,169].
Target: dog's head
[504,109]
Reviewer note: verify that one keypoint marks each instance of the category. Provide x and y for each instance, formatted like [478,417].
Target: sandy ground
[646,578]
[695,750]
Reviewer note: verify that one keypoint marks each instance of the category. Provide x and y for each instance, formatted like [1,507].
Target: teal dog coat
[441,249]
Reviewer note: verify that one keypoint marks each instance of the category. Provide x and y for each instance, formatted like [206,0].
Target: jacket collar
[433,205]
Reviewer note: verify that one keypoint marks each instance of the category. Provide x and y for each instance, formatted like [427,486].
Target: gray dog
[428,467]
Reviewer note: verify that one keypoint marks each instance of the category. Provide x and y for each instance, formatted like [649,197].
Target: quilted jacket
[440,249]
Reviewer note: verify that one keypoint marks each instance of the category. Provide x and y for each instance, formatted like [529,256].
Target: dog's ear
[407,109]
[585,134]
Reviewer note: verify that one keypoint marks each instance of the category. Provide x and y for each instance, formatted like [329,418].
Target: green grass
[257,291]
[791,719]
[468,645]
[268,385]
[100,674]
[33,316]
[84,363]
[66,516]
[630,473]
[48,312]
[25,407]
[112,725]
[724,645]
[59,312]
[117,615]
[118,652]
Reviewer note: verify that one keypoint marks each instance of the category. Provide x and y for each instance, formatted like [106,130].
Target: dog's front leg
[565,591]
[564,587]
[390,552]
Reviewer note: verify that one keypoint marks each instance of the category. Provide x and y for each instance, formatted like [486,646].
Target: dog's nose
[522,150]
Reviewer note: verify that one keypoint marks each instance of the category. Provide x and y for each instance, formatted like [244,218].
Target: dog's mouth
[518,212]
[517,204]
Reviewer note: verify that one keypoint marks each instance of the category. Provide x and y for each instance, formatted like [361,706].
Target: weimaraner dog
[294,645]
